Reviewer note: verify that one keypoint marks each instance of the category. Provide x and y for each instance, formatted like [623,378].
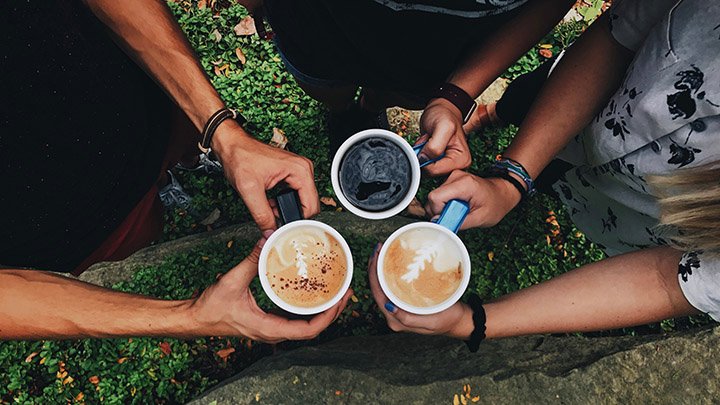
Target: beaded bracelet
[515,167]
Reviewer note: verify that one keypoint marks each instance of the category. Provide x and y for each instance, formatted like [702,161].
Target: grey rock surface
[407,369]
[108,274]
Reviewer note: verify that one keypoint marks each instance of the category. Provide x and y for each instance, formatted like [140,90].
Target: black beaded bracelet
[499,173]
[478,317]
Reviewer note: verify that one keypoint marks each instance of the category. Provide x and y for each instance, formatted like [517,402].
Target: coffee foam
[423,267]
[306,266]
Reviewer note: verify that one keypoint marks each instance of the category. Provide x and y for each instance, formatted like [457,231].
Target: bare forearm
[589,73]
[151,36]
[628,290]
[40,305]
[508,44]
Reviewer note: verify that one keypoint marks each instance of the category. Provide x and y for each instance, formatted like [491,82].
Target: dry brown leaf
[546,53]
[165,348]
[456,400]
[29,358]
[79,397]
[94,380]
[246,26]
[279,140]
[491,255]
[416,208]
[211,218]
[225,353]
[230,244]
[328,201]
[122,360]
[240,55]
[217,36]
[202,4]
[475,399]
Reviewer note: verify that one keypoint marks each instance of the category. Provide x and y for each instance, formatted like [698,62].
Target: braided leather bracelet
[213,123]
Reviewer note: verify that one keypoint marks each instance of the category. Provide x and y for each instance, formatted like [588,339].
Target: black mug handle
[288,202]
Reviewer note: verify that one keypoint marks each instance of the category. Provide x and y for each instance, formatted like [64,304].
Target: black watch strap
[213,123]
[458,97]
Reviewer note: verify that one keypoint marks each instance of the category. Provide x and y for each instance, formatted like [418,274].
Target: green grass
[533,243]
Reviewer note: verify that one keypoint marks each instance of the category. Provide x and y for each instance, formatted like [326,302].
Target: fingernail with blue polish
[390,306]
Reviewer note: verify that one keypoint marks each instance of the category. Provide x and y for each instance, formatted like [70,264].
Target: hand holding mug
[228,308]
[442,127]
[489,199]
[450,322]
[253,167]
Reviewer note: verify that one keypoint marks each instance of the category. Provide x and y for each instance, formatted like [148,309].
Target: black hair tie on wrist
[495,172]
[478,317]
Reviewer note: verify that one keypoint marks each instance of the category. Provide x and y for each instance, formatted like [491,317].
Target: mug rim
[265,282]
[414,181]
[450,301]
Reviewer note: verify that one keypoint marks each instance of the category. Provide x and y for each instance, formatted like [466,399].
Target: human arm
[442,120]
[150,35]
[41,305]
[591,70]
[632,289]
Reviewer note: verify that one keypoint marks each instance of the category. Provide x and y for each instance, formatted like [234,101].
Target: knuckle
[395,326]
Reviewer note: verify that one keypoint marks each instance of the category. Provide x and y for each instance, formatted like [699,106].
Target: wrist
[465,326]
[230,136]
[507,191]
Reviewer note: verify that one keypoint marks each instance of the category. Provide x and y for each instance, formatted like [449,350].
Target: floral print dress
[665,116]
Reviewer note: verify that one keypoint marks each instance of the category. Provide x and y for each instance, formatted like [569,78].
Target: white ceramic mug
[448,224]
[290,213]
[411,152]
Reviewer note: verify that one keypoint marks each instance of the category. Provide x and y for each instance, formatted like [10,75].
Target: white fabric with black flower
[665,116]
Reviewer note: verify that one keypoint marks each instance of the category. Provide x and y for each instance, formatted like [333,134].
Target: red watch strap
[458,97]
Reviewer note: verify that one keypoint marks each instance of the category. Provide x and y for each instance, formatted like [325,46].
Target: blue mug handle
[417,148]
[453,215]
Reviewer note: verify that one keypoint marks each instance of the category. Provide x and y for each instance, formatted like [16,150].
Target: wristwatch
[458,97]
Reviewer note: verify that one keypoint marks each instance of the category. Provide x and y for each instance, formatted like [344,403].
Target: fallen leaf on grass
[29,358]
[229,244]
[279,140]
[328,201]
[122,360]
[202,4]
[240,55]
[217,36]
[546,53]
[165,348]
[94,380]
[225,353]
[491,255]
[79,397]
[223,70]
[212,218]
[246,26]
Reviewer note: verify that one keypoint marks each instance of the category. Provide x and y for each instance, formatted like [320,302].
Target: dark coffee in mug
[375,174]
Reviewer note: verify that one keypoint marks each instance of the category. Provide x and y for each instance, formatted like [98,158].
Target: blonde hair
[690,202]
